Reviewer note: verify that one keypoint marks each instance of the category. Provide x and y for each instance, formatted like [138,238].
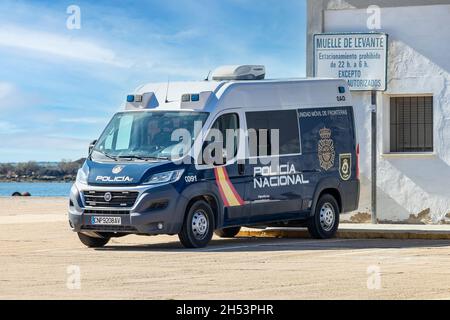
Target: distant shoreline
[40,172]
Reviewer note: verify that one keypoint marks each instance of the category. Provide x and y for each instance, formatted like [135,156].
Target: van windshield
[147,134]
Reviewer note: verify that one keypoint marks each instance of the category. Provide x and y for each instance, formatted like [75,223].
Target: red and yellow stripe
[229,195]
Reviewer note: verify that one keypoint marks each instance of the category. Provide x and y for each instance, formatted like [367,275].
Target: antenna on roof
[207,77]
[167,90]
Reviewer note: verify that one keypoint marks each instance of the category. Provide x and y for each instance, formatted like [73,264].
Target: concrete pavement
[40,258]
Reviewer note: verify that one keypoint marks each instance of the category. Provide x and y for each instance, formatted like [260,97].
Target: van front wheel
[228,232]
[325,222]
[198,226]
[92,242]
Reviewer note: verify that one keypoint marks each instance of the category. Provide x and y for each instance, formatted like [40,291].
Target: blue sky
[59,87]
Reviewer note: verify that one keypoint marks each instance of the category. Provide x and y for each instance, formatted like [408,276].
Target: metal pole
[374,157]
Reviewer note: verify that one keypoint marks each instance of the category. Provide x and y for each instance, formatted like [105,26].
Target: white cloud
[8,128]
[46,142]
[177,36]
[44,148]
[6,89]
[14,98]
[59,45]
[86,120]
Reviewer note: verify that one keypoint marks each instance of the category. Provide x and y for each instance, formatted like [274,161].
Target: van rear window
[262,122]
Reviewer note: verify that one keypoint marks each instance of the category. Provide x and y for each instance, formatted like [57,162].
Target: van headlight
[82,176]
[165,177]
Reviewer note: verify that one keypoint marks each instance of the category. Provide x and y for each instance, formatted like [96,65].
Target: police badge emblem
[117,169]
[345,166]
[326,149]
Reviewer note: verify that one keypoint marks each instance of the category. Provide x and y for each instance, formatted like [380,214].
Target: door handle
[241,168]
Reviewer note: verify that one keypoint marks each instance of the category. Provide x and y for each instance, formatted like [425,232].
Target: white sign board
[359,58]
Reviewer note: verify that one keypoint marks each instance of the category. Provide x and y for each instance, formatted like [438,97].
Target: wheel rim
[200,224]
[327,216]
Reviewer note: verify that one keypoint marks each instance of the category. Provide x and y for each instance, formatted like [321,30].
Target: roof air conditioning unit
[245,72]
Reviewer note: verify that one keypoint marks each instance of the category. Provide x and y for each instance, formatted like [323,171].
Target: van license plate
[111,221]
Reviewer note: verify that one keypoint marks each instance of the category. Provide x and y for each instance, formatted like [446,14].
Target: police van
[194,158]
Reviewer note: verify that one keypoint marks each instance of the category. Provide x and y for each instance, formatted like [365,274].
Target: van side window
[229,121]
[338,127]
[262,122]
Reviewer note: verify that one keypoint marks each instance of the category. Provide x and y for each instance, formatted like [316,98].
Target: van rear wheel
[93,242]
[198,226]
[228,232]
[325,222]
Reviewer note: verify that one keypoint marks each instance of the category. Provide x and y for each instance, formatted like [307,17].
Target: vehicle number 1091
[190,179]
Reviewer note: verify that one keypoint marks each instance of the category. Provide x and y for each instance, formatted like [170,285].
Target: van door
[229,176]
[276,189]
[328,144]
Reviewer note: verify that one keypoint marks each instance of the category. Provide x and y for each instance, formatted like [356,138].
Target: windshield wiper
[107,155]
[144,158]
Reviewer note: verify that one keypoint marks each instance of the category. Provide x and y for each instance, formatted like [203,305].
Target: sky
[59,86]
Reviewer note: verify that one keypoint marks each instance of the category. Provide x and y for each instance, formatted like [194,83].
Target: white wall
[419,63]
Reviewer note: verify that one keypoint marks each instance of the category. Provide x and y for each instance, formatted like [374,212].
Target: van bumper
[157,210]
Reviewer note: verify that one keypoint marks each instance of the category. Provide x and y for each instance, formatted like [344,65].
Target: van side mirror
[91,146]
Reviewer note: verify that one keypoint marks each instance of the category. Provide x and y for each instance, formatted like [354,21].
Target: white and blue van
[194,158]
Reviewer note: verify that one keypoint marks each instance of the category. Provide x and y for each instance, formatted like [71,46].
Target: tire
[92,242]
[227,232]
[198,226]
[325,222]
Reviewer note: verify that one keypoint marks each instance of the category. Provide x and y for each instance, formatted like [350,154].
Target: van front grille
[107,212]
[110,199]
